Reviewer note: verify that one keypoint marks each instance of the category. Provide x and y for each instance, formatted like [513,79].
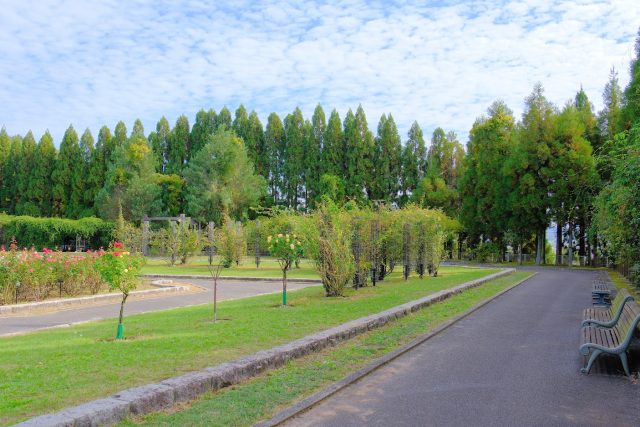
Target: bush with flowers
[28,275]
[120,270]
[287,249]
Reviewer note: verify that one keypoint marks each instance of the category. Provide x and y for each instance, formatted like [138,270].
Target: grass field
[263,396]
[49,370]
[622,282]
[198,266]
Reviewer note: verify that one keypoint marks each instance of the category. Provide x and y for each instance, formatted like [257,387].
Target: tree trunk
[284,286]
[582,251]
[539,246]
[124,299]
[594,249]
[559,243]
[570,248]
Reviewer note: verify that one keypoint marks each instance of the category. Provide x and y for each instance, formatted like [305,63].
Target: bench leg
[592,359]
[625,363]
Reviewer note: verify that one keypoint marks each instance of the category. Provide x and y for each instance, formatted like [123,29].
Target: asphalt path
[227,289]
[514,362]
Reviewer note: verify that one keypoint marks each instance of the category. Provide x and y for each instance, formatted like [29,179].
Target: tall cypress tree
[63,176]
[138,130]
[12,172]
[81,185]
[119,137]
[485,209]
[609,118]
[178,146]
[23,176]
[333,150]
[414,160]
[98,165]
[274,148]
[5,148]
[313,155]
[631,110]
[223,120]
[294,156]
[160,144]
[386,161]
[202,129]
[532,159]
[255,138]
[40,185]
[359,154]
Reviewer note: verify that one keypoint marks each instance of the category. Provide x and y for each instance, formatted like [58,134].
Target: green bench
[615,340]
[606,317]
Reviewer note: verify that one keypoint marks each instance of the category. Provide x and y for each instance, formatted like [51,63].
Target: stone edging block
[163,395]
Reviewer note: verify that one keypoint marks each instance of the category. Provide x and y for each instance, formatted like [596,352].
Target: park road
[514,362]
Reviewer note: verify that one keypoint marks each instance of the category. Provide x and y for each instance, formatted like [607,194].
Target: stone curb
[311,401]
[246,279]
[163,395]
[70,302]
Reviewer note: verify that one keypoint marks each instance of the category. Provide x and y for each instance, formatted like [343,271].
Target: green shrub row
[54,232]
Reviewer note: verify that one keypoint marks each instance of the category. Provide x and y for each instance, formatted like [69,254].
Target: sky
[439,63]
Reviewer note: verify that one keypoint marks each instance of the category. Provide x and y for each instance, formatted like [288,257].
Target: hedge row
[54,232]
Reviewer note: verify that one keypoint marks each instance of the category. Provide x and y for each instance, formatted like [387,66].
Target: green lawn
[622,282]
[50,370]
[263,396]
[198,266]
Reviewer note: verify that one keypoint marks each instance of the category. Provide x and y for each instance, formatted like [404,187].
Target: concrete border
[245,279]
[164,395]
[306,404]
[80,301]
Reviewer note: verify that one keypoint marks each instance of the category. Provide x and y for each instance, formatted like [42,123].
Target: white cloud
[96,63]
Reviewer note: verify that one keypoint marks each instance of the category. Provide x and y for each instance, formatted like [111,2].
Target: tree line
[569,165]
[300,160]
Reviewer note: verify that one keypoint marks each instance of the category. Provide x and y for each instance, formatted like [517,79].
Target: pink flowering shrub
[27,275]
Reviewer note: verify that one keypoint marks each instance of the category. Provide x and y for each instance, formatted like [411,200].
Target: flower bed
[28,275]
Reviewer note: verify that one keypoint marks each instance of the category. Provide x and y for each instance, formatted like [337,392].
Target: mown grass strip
[265,395]
[198,266]
[50,370]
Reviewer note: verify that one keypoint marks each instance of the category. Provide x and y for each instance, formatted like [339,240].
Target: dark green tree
[274,147]
[484,207]
[414,160]
[26,163]
[160,144]
[255,139]
[359,155]
[119,137]
[295,135]
[220,180]
[202,129]
[5,148]
[65,176]
[12,173]
[223,120]
[333,149]
[386,161]
[313,155]
[178,146]
[530,170]
[85,196]
[130,183]
[40,186]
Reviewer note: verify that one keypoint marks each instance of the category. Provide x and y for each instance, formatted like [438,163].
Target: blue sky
[440,63]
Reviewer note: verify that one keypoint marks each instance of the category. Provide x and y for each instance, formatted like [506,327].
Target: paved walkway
[227,289]
[514,362]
